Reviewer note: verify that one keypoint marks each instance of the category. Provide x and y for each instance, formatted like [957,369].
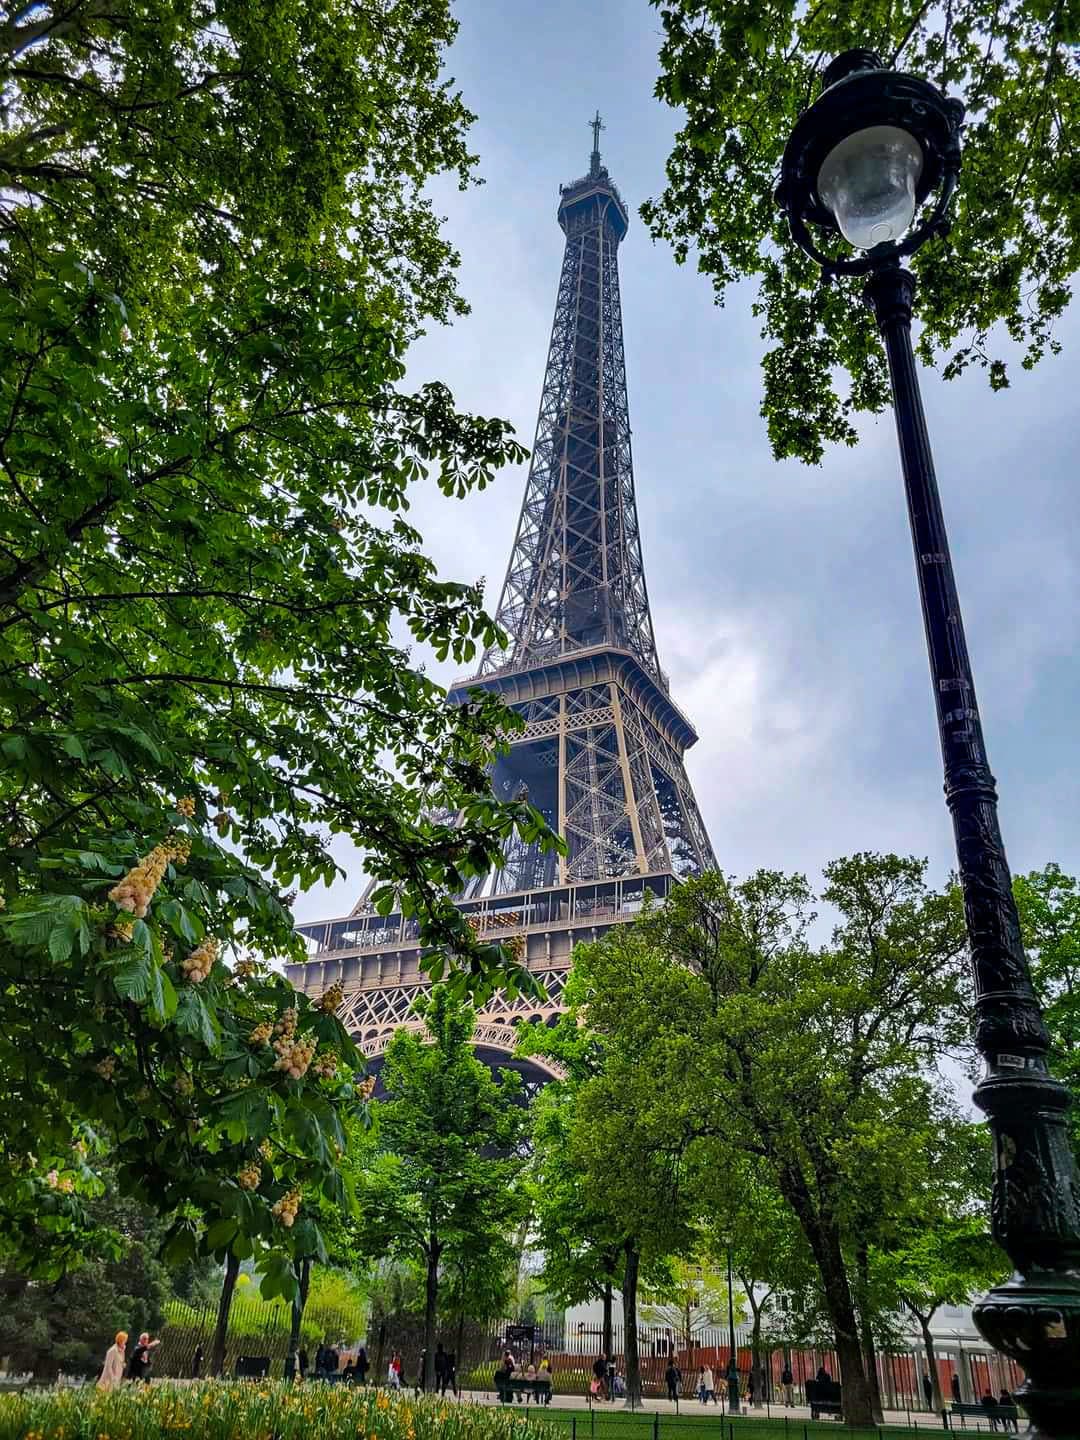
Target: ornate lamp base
[1035,1319]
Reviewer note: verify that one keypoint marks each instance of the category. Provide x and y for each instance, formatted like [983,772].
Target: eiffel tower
[601,754]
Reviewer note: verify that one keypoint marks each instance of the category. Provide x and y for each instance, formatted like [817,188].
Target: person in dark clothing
[599,1370]
[954,1386]
[823,1377]
[303,1358]
[673,1379]
[320,1362]
[440,1368]
[139,1364]
[1005,1399]
[787,1380]
[361,1366]
[450,1373]
[928,1390]
[990,1405]
[196,1362]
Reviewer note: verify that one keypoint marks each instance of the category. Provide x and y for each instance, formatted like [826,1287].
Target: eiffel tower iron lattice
[601,754]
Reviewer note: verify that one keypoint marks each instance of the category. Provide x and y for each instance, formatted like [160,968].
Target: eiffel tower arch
[601,754]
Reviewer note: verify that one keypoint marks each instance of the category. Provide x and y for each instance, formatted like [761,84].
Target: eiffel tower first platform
[601,754]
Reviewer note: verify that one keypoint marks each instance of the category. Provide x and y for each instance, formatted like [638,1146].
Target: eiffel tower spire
[576,577]
[601,754]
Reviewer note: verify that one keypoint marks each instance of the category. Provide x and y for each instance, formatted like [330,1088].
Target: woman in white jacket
[112,1372]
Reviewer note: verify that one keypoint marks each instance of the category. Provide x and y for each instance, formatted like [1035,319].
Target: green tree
[215,252]
[1049,904]
[785,1050]
[582,1248]
[741,73]
[443,1181]
[629,1135]
[67,1325]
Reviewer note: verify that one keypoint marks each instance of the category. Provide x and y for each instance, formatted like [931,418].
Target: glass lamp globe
[868,182]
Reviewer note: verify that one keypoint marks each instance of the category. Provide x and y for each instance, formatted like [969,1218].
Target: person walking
[451,1374]
[303,1360]
[196,1362]
[361,1366]
[750,1388]
[928,1390]
[112,1372]
[393,1374]
[138,1368]
[710,1385]
[787,1380]
[954,1386]
[673,1379]
[543,1375]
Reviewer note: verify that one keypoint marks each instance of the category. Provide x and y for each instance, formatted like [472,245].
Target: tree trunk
[629,1310]
[867,1332]
[431,1306]
[936,1401]
[221,1329]
[823,1236]
[606,1342]
[304,1282]
[757,1370]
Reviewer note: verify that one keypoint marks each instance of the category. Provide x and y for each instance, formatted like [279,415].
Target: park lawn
[600,1424]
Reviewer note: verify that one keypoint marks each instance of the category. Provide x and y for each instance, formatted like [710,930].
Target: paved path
[695,1408]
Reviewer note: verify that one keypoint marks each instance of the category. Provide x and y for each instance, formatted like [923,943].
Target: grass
[651,1425]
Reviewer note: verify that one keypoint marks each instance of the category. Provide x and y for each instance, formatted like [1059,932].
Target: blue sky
[783,597]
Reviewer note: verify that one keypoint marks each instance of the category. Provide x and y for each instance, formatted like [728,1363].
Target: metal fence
[263,1330]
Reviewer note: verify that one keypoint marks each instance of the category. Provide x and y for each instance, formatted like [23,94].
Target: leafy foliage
[215,252]
[1048,901]
[67,1326]
[758,1050]
[441,1189]
[743,72]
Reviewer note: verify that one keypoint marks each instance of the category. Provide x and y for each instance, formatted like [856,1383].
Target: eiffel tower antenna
[595,125]
[601,754]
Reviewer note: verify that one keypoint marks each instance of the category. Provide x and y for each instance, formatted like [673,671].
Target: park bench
[510,1385]
[1001,1417]
[824,1398]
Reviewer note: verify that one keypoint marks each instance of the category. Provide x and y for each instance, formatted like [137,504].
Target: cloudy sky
[783,597]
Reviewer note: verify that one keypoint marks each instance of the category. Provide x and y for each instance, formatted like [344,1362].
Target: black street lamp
[863,160]
[732,1367]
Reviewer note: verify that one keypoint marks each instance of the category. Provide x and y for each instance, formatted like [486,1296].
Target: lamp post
[732,1367]
[873,149]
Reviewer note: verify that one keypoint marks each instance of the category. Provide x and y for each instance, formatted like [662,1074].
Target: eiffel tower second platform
[601,752]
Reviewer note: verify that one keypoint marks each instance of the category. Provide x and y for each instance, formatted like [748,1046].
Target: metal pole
[733,1368]
[1035,1209]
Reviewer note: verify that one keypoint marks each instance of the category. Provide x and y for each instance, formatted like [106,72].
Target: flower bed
[250,1411]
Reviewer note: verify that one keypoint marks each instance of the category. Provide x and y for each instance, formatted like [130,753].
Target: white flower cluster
[200,962]
[294,1056]
[287,1209]
[135,891]
[332,998]
[250,1176]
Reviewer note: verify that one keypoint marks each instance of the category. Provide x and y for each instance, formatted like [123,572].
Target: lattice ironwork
[576,577]
[601,754]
